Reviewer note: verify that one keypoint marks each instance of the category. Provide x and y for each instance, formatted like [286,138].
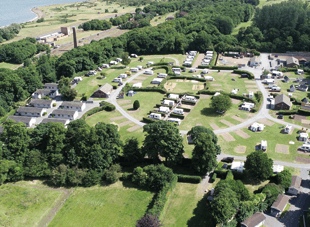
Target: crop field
[25,206]
[112,205]
[246,141]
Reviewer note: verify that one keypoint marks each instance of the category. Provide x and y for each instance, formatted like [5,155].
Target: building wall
[282,106]
[291,65]
[42,105]
[275,212]
[74,108]
[65,116]
[31,114]
[100,94]
[292,191]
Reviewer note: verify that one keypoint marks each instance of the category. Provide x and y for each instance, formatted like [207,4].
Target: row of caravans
[158,117]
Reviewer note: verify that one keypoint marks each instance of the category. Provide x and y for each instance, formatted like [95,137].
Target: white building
[173,96]
[51,86]
[65,114]
[40,93]
[237,166]
[164,109]
[257,127]
[156,81]
[78,106]
[168,102]
[42,103]
[28,121]
[30,111]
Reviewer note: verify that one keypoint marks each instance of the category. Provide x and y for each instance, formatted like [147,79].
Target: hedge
[185,109]
[177,116]
[188,102]
[161,199]
[151,89]
[149,120]
[181,67]
[212,62]
[288,112]
[213,177]
[195,58]
[250,75]
[207,92]
[230,175]
[188,178]
[224,67]
[107,106]
[203,66]
[167,68]
[92,111]
[187,78]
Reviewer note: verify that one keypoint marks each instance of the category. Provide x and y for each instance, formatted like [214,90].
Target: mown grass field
[112,205]
[273,137]
[184,208]
[25,206]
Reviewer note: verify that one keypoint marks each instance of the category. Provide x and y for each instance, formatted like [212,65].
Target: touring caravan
[305,147]
[162,75]
[173,96]
[117,80]
[191,98]
[148,72]
[134,70]
[155,116]
[178,111]
[164,109]
[168,102]
[177,120]
[123,76]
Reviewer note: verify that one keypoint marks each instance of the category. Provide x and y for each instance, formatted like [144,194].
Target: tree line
[9,32]
[278,28]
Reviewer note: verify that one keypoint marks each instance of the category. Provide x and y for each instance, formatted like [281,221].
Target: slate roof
[29,110]
[254,220]
[291,60]
[64,112]
[106,88]
[73,104]
[41,101]
[280,203]
[46,120]
[296,181]
[23,119]
[50,85]
[282,98]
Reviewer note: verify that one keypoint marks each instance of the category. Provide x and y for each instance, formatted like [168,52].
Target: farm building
[104,91]
[282,102]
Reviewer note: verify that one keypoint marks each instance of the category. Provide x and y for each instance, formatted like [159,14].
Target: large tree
[125,59]
[204,154]
[163,138]
[132,152]
[221,103]
[258,165]
[284,178]
[148,220]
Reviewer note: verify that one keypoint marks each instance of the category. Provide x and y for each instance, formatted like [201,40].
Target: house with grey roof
[30,111]
[28,121]
[295,185]
[302,87]
[292,62]
[286,79]
[40,93]
[78,106]
[64,114]
[56,120]
[256,220]
[51,86]
[279,205]
[292,88]
[42,103]
[104,91]
[282,102]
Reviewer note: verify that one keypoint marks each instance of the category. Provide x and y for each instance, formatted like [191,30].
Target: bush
[126,176]
[229,175]
[112,174]
[224,67]
[107,106]
[136,105]
[213,177]
[91,178]
[54,104]
[177,116]
[148,120]
[188,178]
[45,113]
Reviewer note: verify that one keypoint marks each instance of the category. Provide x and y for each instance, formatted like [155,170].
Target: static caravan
[269,81]
[173,96]
[247,106]
[134,70]
[190,98]
[162,75]
[113,63]
[117,80]
[255,127]
[155,116]
[187,63]
[168,102]
[105,66]
[119,59]
[157,80]
[123,76]
[177,120]
[77,79]
[300,71]
[148,72]
[139,67]
[164,109]
[263,145]
[205,71]
[178,111]
[209,78]
[150,62]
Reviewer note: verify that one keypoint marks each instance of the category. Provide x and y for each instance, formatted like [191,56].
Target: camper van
[134,70]
[178,111]
[123,76]
[162,75]
[117,80]
[191,98]
[148,72]
[168,102]
[305,147]
[177,120]
[155,116]
[164,109]
[173,96]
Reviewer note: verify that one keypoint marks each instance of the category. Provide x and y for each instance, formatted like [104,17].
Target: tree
[125,59]
[59,175]
[163,138]
[148,220]
[258,165]
[204,154]
[27,62]
[68,93]
[136,104]
[132,152]
[225,204]
[221,103]
[113,173]
[284,178]
[266,72]
[197,130]
[91,178]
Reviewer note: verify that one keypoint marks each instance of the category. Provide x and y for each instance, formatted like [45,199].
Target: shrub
[149,220]
[91,178]
[107,106]
[136,105]
[126,176]
[141,58]
[188,178]
[54,104]
[177,116]
[213,177]
[229,175]
[45,113]
[148,120]
[284,178]
[188,102]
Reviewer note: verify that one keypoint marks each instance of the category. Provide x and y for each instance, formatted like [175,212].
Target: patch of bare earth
[214,126]
[238,119]
[227,137]
[205,96]
[235,101]
[227,123]
[116,118]
[242,134]
[133,128]
[240,149]
[124,101]
[281,148]
[303,160]
[124,123]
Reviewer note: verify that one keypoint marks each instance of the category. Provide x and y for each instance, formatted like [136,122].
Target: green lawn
[113,205]
[187,208]
[25,206]
[8,65]
[272,135]
[205,115]
[105,116]
[287,118]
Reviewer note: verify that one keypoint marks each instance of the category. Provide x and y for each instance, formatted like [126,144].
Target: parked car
[228,159]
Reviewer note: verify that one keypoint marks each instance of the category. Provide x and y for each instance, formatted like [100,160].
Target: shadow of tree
[202,215]
[210,112]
